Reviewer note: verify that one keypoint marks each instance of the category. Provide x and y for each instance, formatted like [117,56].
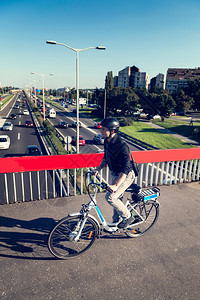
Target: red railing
[76,161]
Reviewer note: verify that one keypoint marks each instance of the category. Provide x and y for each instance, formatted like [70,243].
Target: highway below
[38,185]
[87,130]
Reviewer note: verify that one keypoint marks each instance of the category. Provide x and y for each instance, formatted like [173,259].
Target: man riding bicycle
[116,156]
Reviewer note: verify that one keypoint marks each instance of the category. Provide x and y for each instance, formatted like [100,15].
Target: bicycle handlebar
[103,185]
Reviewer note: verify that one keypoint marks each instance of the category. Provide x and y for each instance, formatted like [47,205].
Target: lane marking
[19,122]
[18,136]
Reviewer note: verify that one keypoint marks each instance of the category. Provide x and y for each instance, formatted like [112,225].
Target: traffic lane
[85,132]
[6,110]
[20,137]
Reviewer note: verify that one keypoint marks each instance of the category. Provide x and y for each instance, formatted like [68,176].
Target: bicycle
[76,233]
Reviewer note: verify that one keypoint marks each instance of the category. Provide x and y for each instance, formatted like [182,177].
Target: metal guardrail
[44,184]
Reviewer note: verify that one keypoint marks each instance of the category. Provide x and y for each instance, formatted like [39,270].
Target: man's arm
[101,166]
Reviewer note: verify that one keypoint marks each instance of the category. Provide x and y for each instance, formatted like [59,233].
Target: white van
[52,113]
[4,142]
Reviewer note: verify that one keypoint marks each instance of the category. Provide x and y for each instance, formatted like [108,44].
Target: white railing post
[22,180]
[6,187]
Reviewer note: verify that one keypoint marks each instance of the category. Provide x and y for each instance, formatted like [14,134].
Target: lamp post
[77,83]
[43,102]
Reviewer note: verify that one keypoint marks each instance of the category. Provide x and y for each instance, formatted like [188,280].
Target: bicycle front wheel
[62,241]
[146,214]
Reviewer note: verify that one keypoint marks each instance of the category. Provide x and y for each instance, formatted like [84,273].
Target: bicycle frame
[109,227]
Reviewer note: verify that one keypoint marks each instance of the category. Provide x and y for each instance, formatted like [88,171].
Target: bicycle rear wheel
[61,241]
[146,216]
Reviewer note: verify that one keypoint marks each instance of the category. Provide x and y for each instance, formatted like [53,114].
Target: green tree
[183,101]
[109,81]
[164,104]
[193,91]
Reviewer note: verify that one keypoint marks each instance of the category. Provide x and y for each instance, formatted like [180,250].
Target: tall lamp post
[77,83]
[43,102]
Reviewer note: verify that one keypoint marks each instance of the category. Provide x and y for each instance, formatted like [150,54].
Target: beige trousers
[114,198]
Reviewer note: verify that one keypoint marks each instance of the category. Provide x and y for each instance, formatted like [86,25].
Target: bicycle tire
[60,240]
[149,210]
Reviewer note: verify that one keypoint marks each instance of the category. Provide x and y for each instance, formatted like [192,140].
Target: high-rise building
[131,76]
[157,81]
[179,77]
[123,77]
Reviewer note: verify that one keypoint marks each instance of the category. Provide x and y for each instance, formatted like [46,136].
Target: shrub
[126,121]
[48,127]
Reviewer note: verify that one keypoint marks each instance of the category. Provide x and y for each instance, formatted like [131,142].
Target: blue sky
[152,35]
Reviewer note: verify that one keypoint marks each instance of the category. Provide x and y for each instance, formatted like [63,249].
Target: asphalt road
[163,264]
[20,137]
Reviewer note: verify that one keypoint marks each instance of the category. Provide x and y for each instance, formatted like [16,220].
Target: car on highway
[75,124]
[29,123]
[13,116]
[4,142]
[16,106]
[81,140]
[62,124]
[26,112]
[97,125]
[97,139]
[7,126]
[33,150]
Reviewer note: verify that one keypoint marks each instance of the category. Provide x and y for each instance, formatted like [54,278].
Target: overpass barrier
[45,177]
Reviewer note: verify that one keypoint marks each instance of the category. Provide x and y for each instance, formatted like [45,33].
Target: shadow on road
[21,243]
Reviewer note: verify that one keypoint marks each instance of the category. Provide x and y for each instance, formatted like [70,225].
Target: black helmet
[111,124]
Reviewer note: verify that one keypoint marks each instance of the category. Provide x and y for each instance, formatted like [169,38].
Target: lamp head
[51,42]
[101,48]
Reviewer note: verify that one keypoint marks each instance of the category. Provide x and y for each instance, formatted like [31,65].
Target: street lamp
[43,102]
[77,83]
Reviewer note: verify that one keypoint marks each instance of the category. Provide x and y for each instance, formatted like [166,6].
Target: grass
[6,99]
[182,127]
[152,136]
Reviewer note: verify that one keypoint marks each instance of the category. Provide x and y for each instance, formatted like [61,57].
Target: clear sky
[153,35]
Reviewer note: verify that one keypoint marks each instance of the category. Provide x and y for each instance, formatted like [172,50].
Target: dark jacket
[116,154]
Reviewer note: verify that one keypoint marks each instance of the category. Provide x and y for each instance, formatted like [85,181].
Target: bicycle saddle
[134,188]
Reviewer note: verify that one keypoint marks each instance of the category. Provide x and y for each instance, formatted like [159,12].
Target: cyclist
[116,156]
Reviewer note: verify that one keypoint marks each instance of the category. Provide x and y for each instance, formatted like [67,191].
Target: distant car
[13,116]
[7,126]
[29,123]
[26,112]
[75,124]
[81,141]
[97,125]
[16,106]
[33,150]
[62,124]
[4,142]
[97,139]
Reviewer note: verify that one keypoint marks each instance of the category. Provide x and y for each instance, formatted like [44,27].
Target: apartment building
[139,80]
[131,76]
[157,81]
[179,77]
[124,77]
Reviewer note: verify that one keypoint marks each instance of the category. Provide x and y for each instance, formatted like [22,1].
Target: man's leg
[113,198]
